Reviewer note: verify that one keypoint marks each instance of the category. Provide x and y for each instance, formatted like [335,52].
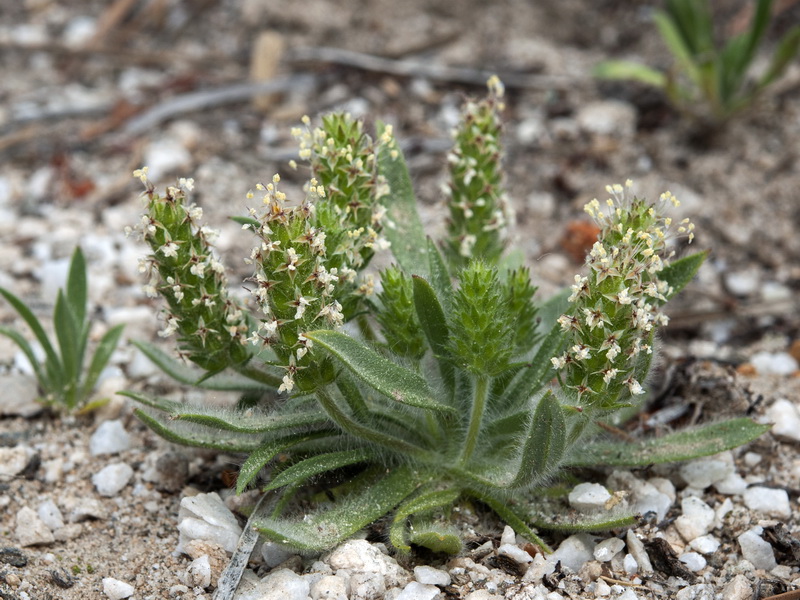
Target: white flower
[333,312]
[172,327]
[634,386]
[559,362]
[169,250]
[287,385]
[198,268]
[186,183]
[141,174]
[301,304]
[581,351]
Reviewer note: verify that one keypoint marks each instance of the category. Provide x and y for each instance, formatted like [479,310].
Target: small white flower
[172,327]
[169,250]
[634,386]
[198,268]
[186,183]
[559,362]
[581,351]
[287,385]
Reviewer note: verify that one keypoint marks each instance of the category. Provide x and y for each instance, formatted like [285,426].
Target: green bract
[715,78]
[63,380]
[451,381]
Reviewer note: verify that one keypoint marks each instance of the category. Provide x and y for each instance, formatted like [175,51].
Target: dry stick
[409,68]
[793,595]
[232,575]
[204,99]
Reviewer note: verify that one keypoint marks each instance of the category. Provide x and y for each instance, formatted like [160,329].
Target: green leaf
[434,325]
[627,70]
[436,537]
[384,376]
[305,469]
[421,503]
[188,375]
[439,275]
[259,458]
[319,530]
[227,420]
[179,433]
[584,523]
[102,354]
[676,43]
[27,350]
[552,308]
[404,230]
[540,371]
[680,272]
[503,509]
[683,445]
[245,221]
[784,54]
[38,331]
[67,335]
[544,445]
[76,286]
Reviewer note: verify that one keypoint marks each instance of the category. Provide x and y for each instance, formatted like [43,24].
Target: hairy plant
[452,383]
[709,80]
[63,378]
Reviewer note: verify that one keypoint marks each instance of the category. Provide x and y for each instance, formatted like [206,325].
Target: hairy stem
[256,374]
[475,418]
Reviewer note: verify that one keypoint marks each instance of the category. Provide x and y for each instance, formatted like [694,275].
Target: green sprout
[441,381]
[705,74]
[63,379]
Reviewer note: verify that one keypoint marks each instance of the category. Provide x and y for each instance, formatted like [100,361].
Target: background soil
[80,78]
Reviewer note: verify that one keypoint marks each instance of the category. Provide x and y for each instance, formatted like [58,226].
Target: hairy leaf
[321,463]
[680,272]
[420,503]
[202,438]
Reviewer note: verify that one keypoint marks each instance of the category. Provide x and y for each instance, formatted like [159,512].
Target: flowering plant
[442,380]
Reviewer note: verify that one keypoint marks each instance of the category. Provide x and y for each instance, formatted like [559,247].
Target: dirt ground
[88,94]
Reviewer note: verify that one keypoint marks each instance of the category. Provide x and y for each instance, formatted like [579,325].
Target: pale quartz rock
[14,460]
[756,550]
[515,553]
[768,501]
[206,517]
[329,587]
[738,588]
[50,515]
[630,565]
[637,550]
[418,591]
[114,589]
[693,561]
[705,544]
[509,536]
[431,576]
[199,572]
[696,520]
[607,549]
[786,418]
[704,472]
[589,497]
[111,480]
[109,438]
[573,552]
[31,530]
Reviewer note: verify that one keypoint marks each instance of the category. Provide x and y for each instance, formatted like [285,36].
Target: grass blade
[76,292]
[27,350]
[34,324]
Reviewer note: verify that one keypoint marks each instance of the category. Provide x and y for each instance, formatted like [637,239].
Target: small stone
[109,438]
[418,591]
[738,588]
[68,532]
[732,485]
[574,551]
[509,536]
[589,497]
[31,530]
[637,550]
[284,584]
[13,556]
[274,553]
[704,472]
[112,479]
[696,520]
[786,418]
[116,589]
[50,515]
[607,117]
[13,461]
[206,517]
[768,501]
[217,557]
[751,459]
[165,156]
[88,508]
[693,561]
[607,549]
[705,544]
[329,587]
[515,553]
[19,397]
[701,591]
[178,590]
[431,576]
[198,573]
[630,565]
[743,283]
[778,363]
[757,550]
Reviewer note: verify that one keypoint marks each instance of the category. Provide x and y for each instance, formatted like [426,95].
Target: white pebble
[732,485]
[574,552]
[50,515]
[329,587]
[705,544]
[637,550]
[199,572]
[165,156]
[696,520]
[14,460]
[274,553]
[116,589]
[206,517]
[704,472]
[756,550]
[628,594]
[607,549]
[589,497]
[607,117]
[751,459]
[31,530]
[786,418]
[112,479]
[630,565]
[509,536]
[768,501]
[693,561]
[743,283]
[418,591]
[431,576]
[284,584]
[110,438]
[515,553]
[778,363]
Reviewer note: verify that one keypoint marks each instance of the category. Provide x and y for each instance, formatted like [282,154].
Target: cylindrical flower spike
[478,205]
[210,325]
[616,306]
